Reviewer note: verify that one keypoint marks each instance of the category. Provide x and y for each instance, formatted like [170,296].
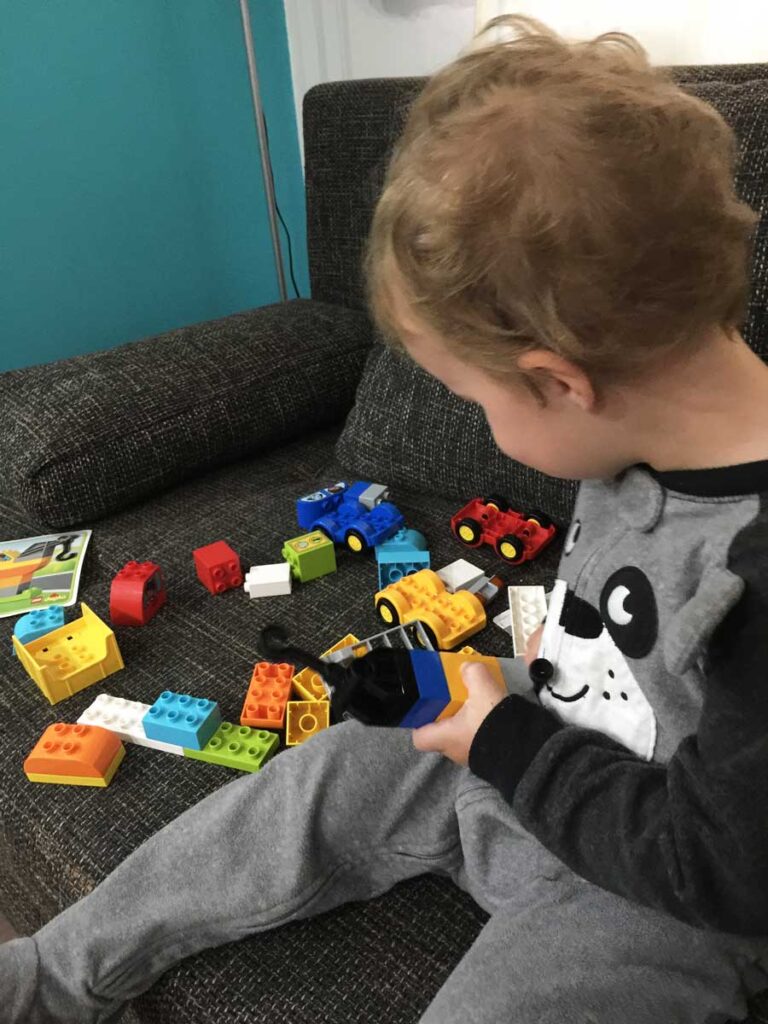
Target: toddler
[558,240]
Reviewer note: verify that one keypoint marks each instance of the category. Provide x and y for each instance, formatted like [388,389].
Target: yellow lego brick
[305,718]
[451,618]
[308,683]
[452,668]
[81,780]
[71,657]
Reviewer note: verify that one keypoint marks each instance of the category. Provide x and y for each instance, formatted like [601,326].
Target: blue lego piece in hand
[434,692]
[37,623]
[178,718]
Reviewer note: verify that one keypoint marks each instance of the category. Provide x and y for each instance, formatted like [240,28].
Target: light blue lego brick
[178,718]
[396,564]
[37,623]
[434,694]
[404,540]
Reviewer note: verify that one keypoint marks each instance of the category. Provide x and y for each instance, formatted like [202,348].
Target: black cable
[279,214]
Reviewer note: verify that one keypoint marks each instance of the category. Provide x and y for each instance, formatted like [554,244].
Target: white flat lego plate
[124,717]
[528,609]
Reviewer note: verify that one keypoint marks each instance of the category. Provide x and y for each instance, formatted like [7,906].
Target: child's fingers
[434,736]
[479,682]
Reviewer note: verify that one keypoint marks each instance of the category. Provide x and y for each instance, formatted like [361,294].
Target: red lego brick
[218,567]
[268,693]
[137,593]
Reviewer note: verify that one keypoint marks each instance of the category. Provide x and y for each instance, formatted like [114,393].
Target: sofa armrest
[87,436]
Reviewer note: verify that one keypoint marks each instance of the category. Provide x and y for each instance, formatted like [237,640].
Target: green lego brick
[237,746]
[311,555]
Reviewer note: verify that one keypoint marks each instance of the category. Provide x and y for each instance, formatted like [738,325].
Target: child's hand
[453,736]
[532,647]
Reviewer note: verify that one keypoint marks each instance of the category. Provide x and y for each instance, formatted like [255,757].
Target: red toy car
[515,536]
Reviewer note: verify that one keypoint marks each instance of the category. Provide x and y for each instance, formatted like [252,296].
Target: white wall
[331,40]
[673,31]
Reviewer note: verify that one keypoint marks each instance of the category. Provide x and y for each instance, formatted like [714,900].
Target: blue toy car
[357,515]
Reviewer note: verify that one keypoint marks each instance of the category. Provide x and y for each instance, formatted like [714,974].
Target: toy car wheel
[511,549]
[497,502]
[469,532]
[430,634]
[387,612]
[534,515]
[356,542]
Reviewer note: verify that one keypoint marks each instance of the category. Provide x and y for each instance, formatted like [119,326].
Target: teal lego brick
[37,623]
[434,694]
[182,720]
[237,746]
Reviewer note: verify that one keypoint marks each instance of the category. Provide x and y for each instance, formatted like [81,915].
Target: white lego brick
[504,621]
[124,717]
[268,580]
[528,609]
[459,575]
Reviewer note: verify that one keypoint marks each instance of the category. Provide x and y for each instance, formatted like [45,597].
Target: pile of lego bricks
[448,605]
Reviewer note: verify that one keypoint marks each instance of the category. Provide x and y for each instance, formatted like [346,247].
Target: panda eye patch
[628,609]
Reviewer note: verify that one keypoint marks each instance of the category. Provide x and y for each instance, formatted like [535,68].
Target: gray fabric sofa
[211,432]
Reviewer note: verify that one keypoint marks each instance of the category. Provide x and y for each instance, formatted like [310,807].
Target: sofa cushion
[84,437]
[58,842]
[408,430]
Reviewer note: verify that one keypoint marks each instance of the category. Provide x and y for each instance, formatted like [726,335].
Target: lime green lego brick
[237,746]
[310,556]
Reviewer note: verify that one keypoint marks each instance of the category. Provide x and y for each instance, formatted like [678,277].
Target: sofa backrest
[350,129]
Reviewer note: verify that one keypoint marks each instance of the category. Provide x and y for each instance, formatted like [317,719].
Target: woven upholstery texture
[379,961]
[406,427]
[84,437]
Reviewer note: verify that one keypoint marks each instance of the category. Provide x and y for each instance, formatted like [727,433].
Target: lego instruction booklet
[37,572]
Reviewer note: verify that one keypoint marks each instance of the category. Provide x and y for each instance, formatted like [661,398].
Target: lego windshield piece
[409,637]
[39,572]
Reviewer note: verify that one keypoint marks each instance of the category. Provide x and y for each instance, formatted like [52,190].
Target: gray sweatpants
[344,817]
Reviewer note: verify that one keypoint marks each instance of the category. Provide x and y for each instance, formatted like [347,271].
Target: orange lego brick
[308,683]
[84,752]
[305,718]
[268,693]
[452,667]
[81,780]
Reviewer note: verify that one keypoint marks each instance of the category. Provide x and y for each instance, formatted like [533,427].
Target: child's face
[568,437]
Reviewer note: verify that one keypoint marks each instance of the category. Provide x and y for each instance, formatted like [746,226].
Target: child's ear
[558,378]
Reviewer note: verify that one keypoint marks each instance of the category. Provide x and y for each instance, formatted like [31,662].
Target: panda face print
[571,538]
[592,684]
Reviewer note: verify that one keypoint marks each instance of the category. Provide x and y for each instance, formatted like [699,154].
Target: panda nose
[540,671]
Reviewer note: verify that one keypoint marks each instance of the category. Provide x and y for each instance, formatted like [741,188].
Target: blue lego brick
[406,539]
[37,623]
[178,718]
[396,564]
[336,510]
[312,506]
[434,694]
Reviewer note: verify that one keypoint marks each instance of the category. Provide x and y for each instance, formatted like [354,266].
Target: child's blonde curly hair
[560,195]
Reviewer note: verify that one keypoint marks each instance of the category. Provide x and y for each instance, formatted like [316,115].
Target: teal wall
[131,193]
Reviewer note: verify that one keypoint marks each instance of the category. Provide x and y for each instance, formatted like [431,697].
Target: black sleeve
[689,837]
